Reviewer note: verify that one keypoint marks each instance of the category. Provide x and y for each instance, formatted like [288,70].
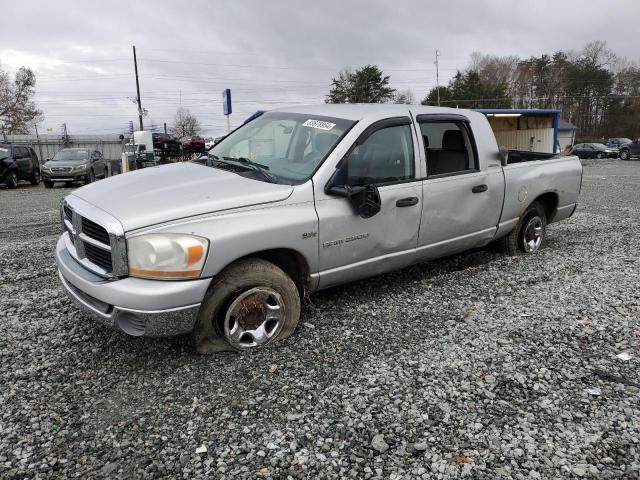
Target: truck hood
[160,194]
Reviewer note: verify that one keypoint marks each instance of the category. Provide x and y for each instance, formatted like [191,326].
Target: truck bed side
[556,181]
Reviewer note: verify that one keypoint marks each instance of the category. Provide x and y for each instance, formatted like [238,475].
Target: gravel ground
[472,366]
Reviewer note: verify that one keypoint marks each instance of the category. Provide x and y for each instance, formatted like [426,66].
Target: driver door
[353,247]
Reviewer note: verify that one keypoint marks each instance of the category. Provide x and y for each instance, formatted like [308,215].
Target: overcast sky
[271,53]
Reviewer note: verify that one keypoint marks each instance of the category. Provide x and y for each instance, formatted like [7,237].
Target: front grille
[61,169]
[100,247]
[95,231]
[100,257]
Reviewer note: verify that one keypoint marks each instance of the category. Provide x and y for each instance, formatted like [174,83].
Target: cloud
[271,53]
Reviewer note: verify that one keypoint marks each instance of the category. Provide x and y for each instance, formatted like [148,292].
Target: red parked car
[192,144]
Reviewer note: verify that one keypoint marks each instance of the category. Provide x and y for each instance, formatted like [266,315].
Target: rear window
[4,153]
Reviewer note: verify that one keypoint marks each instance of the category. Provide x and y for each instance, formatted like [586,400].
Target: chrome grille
[61,169]
[95,239]
[95,231]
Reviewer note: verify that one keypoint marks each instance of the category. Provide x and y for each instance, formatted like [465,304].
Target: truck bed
[519,156]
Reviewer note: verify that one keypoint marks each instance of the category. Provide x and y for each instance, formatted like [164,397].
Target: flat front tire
[527,236]
[251,304]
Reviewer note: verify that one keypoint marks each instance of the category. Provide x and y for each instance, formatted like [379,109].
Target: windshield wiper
[256,167]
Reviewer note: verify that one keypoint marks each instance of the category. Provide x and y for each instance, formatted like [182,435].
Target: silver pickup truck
[294,201]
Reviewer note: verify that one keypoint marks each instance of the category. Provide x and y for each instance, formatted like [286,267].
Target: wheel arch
[549,201]
[292,262]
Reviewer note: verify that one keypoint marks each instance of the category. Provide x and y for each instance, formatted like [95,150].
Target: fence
[46,146]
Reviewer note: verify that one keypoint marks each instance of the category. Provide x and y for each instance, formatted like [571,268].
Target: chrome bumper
[136,306]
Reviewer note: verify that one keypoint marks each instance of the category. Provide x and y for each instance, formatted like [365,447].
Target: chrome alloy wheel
[533,234]
[254,318]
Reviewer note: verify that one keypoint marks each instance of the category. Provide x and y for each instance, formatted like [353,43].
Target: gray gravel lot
[473,366]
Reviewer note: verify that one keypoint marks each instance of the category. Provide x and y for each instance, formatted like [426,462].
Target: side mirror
[365,199]
[503,154]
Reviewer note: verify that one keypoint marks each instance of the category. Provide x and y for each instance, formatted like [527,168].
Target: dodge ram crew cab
[297,200]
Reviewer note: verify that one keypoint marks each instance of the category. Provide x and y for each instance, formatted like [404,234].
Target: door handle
[407,202]
[480,188]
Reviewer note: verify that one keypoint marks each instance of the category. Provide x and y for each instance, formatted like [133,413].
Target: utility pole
[38,138]
[165,128]
[437,77]
[135,65]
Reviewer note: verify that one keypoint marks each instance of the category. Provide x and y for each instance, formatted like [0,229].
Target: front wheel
[12,179]
[251,304]
[48,184]
[599,155]
[528,234]
[625,155]
[91,178]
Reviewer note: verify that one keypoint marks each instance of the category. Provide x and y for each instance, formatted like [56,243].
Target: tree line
[595,89]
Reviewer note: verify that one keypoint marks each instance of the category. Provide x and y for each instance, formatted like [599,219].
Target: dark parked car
[594,150]
[629,150]
[192,144]
[74,165]
[18,163]
[617,142]
[166,143]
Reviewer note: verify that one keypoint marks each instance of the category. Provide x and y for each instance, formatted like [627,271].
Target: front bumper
[63,177]
[136,306]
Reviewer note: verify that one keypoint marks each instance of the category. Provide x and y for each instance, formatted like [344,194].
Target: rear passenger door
[462,197]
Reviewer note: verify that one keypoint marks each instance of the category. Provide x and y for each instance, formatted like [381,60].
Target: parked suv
[629,150]
[74,165]
[617,142]
[18,163]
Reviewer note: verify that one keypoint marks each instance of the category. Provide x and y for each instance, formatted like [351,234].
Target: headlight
[79,168]
[45,168]
[167,255]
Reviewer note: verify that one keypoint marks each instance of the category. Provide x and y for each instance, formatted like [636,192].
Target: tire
[91,178]
[12,179]
[35,180]
[599,155]
[48,184]
[528,234]
[625,155]
[250,288]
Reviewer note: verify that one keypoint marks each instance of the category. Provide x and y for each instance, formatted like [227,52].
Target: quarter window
[386,156]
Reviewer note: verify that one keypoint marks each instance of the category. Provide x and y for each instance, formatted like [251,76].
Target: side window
[386,156]
[448,148]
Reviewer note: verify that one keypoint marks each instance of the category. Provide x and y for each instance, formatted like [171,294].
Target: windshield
[290,146]
[70,155]
[622,141]
[4,153]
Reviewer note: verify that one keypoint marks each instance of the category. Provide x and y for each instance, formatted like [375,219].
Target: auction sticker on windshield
[318,124]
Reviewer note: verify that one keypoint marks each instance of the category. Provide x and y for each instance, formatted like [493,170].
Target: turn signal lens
[167,256]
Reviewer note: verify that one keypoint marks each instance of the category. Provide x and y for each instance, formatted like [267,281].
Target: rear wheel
[12,179]
[528,234]
[625,154]
[35,180]
[251,304]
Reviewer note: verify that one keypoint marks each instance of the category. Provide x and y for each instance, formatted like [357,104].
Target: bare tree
[18,111]
[404,96]
[185,123]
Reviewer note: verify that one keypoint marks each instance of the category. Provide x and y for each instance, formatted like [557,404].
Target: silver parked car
[294,201]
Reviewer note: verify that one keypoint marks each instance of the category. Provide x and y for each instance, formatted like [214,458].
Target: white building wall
[534,140]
